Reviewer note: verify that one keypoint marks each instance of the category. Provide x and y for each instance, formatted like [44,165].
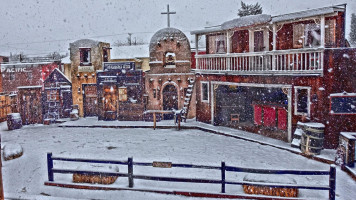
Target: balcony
[281,62]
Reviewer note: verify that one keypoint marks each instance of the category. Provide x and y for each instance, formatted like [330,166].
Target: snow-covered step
[295,143]
[188,95]
[187,99]
[190,86]
[186,103]
[189,90]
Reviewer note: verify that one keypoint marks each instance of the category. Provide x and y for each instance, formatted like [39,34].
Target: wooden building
[57,96]
[30,104]
[170,82]
[86,58]
[25,74]
[120,92]
[265,73]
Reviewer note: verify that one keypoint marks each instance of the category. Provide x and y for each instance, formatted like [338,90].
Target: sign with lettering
[85,68]
[118,66]
[5,69]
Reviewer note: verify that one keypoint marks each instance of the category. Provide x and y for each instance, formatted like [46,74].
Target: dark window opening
[85,56]
[105,55]
[205,92]
[302,100]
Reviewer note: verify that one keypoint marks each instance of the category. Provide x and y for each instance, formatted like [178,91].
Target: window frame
[296,88]
[81,56]
[202,92]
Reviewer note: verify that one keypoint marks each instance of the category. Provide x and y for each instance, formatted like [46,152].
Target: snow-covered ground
[24,177]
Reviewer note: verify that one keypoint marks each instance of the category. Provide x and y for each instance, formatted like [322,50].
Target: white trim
[252,84]
[295,100]
[289,115]
[201,91]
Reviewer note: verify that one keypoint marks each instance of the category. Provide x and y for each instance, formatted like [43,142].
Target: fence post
[130,171]
[332,182]
[50,167]
[223,168]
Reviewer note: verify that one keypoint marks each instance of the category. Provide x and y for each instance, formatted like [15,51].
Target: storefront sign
[13,69]
[119,66]
[85,68]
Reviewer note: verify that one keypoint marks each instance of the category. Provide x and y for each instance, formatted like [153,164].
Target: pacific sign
[13,69]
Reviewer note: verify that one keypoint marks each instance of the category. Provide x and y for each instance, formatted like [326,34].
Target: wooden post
[50,167]
[130,171]
[179,118]
[322,31]
[1,185]
[332,182]
[196,51]
[154,121]
[223,168]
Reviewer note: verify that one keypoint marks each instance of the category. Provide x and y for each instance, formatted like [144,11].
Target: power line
[60,40]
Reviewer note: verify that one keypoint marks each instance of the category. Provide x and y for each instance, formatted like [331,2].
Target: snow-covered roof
[60,72]
[127,52]
[307,13]
[167,33]
[255,20]
[29,87]
[251,20]
[66,60]
[28,64]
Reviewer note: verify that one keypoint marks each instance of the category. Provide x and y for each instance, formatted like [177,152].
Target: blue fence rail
[223,168]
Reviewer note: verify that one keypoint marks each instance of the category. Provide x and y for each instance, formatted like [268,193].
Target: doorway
[170,100]
[90,100]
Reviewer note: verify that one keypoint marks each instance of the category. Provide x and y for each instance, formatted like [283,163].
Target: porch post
[228,49]
[274,46]
[290,114]
[196,51]
[212,102]
[274,37]
[322,31]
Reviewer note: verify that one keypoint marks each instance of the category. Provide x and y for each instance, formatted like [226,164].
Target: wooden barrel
[312,140]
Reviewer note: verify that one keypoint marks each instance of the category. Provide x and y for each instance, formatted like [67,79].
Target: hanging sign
[119,66]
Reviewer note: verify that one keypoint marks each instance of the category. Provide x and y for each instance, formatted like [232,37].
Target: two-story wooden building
[265,73]
[86,58]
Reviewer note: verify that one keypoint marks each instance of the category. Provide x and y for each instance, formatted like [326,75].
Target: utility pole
[130,38]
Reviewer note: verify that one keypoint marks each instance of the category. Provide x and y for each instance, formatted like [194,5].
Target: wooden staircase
[188,98]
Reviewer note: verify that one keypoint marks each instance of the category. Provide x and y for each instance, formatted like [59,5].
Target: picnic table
[154,115]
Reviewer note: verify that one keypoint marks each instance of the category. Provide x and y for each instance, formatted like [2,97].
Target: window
[85,56]
[29,75]
[302,101]
[308,35]
[12,76]
[217,44]
[343,104]
[205,92]
[105,55]
[170,60]
[154,93]
[122,94]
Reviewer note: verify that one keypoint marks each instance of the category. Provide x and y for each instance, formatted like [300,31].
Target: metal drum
[312,140]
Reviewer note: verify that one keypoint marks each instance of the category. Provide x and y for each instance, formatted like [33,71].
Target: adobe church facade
[169,82]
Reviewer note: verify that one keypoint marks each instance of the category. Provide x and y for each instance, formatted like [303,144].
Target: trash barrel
[14,121]
[312,140]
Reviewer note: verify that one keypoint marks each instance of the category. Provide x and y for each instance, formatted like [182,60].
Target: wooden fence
[223,168]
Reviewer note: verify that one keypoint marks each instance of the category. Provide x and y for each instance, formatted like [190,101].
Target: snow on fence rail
[223,168]
[281,61]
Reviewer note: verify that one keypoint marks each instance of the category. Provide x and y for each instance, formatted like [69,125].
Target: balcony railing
[295,61]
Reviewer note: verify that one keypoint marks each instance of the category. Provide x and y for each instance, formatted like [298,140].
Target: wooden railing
[278,62]
[221,180]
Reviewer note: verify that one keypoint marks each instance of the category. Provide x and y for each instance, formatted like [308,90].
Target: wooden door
[170,99]
[90,102]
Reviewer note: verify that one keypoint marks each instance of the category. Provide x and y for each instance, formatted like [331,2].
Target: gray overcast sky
[38,27]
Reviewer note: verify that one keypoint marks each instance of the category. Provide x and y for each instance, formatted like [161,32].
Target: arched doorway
[170,99]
